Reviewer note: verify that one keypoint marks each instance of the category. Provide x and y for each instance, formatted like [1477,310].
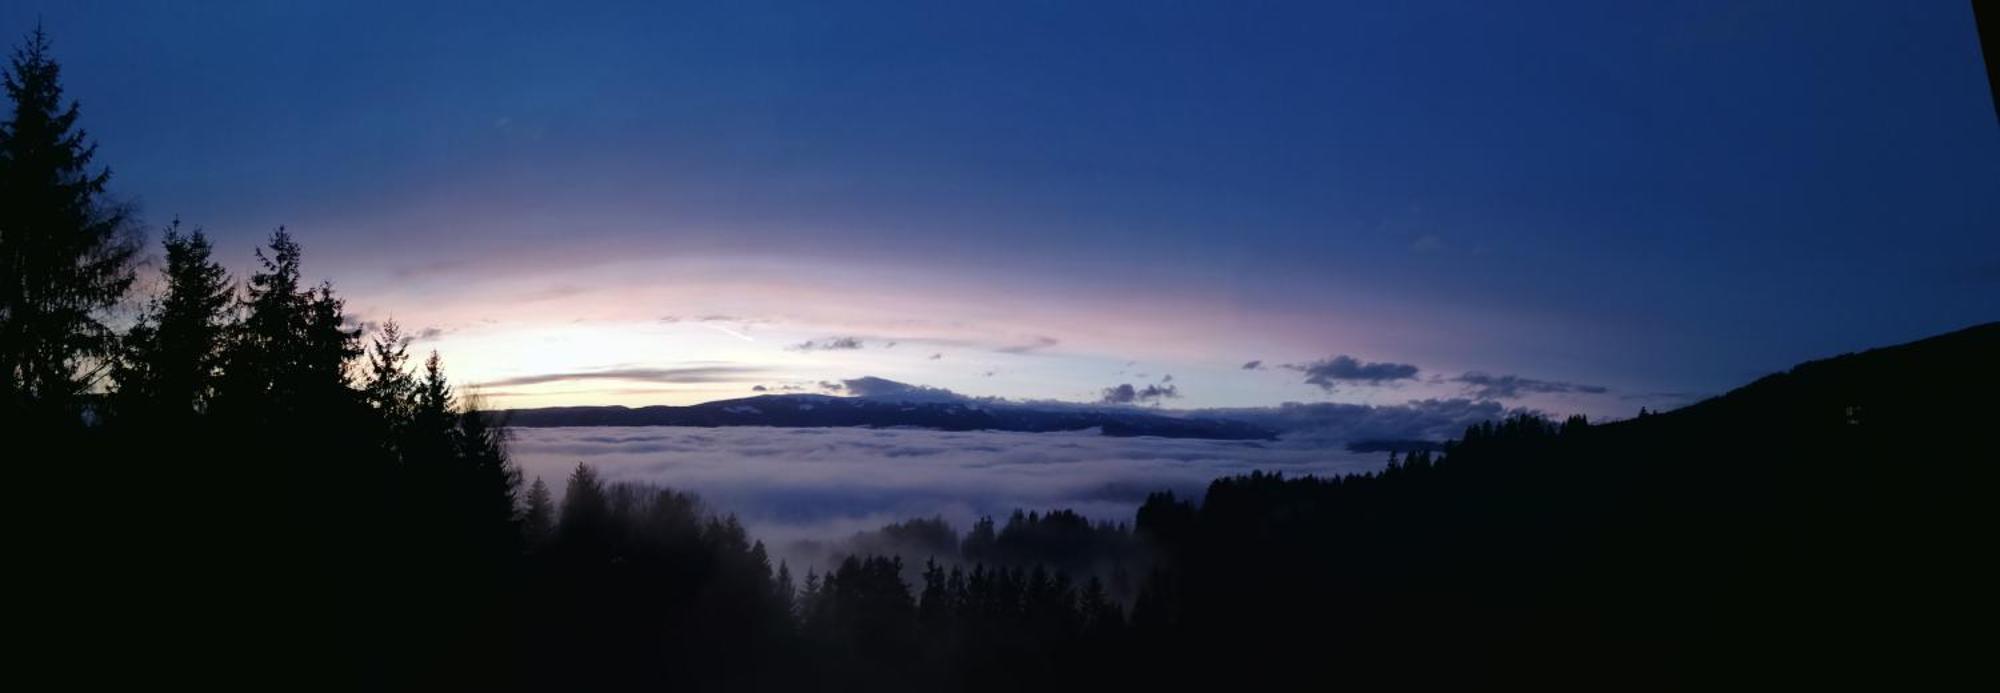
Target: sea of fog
[808,484]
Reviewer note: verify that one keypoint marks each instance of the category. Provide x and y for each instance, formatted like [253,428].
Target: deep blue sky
[1650,197]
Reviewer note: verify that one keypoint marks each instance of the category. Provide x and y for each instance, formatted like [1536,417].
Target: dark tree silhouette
[291,353]
[173,356]
[65,250]
[537,515]
[388,385]
[586,512]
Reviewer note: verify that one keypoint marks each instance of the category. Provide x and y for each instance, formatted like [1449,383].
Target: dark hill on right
[1830,524]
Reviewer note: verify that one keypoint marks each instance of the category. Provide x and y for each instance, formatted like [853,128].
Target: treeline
[649,589]
[1060,540]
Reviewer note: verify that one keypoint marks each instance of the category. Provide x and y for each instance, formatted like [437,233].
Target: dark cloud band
[1347,370]
[1488,386]
[704,374]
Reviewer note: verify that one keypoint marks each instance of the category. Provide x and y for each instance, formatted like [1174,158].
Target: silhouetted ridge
[1813,525]
[1399,446]
[822,411]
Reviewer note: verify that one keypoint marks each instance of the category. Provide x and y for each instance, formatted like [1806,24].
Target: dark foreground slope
[1831,523]
[1826,525]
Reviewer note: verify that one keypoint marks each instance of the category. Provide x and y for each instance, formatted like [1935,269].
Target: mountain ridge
[825,411]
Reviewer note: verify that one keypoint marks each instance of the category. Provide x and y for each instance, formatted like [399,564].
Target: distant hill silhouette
[801,410]
[1399,446]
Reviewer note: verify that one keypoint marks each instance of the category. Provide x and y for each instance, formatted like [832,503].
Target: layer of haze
[820,484]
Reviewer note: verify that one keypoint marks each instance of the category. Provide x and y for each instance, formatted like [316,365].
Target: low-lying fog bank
[796,485]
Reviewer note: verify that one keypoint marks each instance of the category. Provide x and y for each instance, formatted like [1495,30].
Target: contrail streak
[727,331]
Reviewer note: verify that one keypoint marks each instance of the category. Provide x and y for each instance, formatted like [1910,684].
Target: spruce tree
[538,517]
[390,388]
[487,480]
[272,333]
[173,356]
[586,510]
[428,443]
[330,344]
[783,591]
[292,350]
[434,398]
[65,250]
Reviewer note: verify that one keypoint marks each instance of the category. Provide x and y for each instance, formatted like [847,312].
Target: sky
[1575,206]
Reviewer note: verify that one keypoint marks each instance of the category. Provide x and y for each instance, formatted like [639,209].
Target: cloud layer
[1347,370]
[884,388]
[1127,394]
[829,344]
[1488,386]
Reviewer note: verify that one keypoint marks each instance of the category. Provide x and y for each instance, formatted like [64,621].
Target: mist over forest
[815,486]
